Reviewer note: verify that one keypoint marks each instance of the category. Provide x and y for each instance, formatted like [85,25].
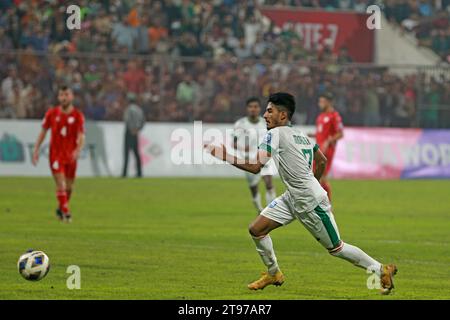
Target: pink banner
[384,153]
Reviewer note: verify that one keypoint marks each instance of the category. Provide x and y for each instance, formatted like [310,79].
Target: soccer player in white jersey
[248,132]
[304,198]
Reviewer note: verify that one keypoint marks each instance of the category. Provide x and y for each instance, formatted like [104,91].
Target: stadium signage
[317,29]
[393,153]
[176,150]
[11,149]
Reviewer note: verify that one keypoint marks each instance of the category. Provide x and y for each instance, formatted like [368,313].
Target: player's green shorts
[319,221]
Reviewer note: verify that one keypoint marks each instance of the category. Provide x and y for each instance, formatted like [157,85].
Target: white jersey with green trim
[249,134]
[293,154]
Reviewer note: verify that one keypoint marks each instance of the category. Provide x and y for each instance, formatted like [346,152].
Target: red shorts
[68,169]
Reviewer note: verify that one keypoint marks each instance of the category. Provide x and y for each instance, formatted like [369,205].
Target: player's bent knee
[251,230]
[336,249]
[255,232]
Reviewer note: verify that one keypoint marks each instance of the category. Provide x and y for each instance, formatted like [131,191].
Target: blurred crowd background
[199,60]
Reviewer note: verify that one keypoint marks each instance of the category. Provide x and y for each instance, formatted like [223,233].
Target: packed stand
[193,60]
[215,91]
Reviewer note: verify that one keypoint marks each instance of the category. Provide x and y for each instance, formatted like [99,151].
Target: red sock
[63,201]
[327,188]
[69,194]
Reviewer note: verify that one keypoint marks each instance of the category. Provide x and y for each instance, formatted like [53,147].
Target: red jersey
[327,125]
[65,128]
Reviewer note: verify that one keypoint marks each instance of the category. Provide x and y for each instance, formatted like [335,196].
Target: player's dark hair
[252,99]
[64,88]
[284,100]
[327,95]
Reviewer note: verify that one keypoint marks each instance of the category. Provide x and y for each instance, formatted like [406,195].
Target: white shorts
[319,221]
[269,169]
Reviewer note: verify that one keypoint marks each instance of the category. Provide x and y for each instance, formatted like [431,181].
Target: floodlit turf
[187,239]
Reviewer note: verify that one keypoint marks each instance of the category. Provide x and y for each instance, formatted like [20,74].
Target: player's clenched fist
[218,151]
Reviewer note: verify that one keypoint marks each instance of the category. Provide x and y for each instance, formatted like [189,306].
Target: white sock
[270,195]
[257,202]
[358,257]
[264,247]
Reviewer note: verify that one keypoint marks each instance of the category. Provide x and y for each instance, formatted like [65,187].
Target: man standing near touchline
[134,119]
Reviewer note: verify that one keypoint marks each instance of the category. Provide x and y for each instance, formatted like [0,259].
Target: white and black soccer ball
[33,265]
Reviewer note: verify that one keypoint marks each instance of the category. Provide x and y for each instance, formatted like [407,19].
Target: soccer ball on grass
[33,265]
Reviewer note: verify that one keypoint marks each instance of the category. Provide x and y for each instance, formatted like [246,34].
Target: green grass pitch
[187,239]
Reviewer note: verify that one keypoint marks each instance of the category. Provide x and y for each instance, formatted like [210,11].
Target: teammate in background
[66,141]
[247,132]
[304,198]
[329,129]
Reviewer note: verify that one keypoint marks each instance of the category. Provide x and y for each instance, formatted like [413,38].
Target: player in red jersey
[329,129]
[67,139]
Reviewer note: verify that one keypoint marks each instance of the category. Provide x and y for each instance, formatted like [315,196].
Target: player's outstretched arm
[321,163]
[37,146]
[250,165]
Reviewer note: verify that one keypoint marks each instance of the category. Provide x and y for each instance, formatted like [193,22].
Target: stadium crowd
[192,27]
[428,20]
[197,60]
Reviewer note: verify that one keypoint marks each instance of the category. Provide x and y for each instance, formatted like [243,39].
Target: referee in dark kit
[134,119]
